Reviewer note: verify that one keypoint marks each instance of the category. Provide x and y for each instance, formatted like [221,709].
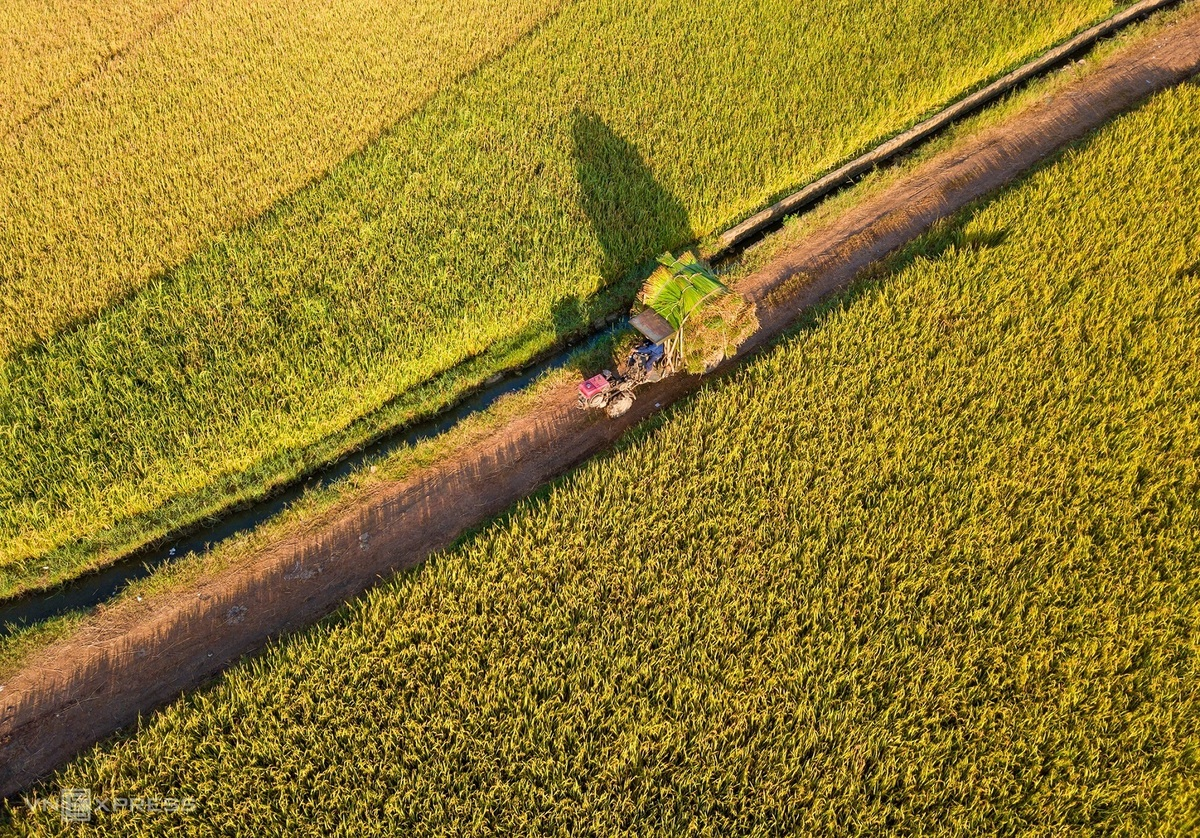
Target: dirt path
[132,659]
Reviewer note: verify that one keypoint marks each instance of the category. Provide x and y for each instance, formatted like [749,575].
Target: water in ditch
[96,588]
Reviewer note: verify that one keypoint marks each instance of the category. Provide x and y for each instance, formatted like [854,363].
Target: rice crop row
[925,568]
[508,211]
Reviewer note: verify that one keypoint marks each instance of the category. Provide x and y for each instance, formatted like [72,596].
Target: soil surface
[129,659]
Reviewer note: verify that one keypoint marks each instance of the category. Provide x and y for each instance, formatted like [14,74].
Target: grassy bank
[477,233]
[927,566]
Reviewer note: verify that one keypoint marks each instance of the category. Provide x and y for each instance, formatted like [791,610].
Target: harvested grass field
[506,212]
[927,567]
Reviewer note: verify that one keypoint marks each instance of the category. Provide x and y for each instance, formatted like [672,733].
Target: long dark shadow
[633,216]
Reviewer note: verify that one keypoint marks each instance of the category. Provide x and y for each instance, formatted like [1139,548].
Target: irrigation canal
[95,588]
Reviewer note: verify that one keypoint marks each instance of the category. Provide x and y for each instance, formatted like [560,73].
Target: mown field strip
[512,209]
[925,567]
[190,634]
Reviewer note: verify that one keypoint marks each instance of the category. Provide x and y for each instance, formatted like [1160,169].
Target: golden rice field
[137,135]
[508,210]
[49,47]
[928,568]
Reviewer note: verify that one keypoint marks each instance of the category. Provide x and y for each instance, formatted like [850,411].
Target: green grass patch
[507,213]
[928,566]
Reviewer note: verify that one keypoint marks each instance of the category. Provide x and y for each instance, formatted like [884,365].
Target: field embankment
[983,457]
[506,212]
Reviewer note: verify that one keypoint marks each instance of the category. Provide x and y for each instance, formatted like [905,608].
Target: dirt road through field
[134,657]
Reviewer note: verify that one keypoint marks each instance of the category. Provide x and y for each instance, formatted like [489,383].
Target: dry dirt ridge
[136,657]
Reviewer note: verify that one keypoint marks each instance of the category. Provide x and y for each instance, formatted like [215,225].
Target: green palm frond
[679,287]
